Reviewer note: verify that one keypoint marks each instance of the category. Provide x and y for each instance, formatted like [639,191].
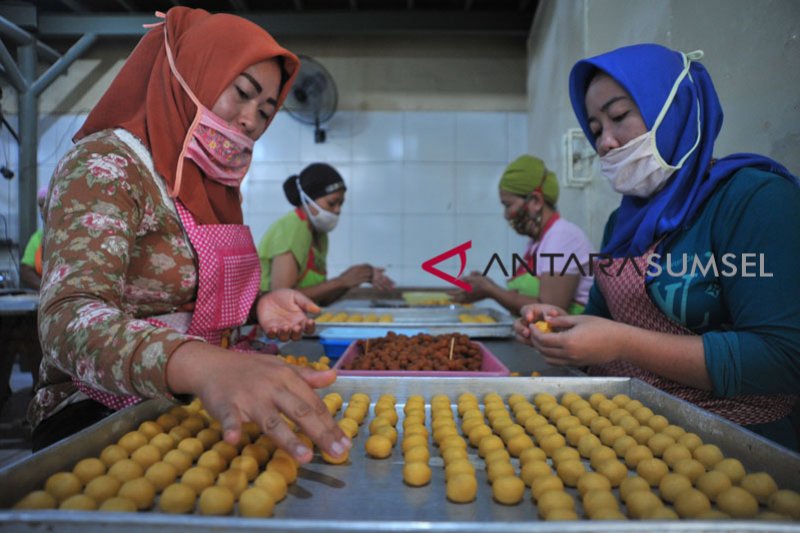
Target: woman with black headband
[294,249]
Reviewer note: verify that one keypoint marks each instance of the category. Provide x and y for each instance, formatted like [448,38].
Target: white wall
[752,51]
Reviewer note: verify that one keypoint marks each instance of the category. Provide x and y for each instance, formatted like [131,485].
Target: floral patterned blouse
[115,255]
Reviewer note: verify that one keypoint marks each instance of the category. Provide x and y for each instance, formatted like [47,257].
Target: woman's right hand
[530,314]
[237,387]
[356,275]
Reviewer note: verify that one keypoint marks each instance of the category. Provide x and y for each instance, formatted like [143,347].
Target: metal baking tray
[433,320]
[369,495]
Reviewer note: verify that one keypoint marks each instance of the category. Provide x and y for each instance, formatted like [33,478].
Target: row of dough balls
[177,463]
[355,317]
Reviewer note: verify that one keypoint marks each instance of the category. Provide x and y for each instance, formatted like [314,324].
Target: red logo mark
[461,250]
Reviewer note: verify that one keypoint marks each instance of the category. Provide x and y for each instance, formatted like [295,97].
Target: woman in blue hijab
[698,293]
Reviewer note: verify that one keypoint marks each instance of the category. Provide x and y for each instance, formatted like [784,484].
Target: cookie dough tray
[368,494]
[434,321]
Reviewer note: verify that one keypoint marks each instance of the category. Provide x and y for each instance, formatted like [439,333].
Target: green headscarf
[527,173]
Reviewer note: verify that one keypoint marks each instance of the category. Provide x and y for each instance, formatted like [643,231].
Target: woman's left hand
[380,280]
[481,288]
[282,314]
[579,340]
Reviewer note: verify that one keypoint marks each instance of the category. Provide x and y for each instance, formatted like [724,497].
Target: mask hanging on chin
[525,224]
[637,168]
[324,221]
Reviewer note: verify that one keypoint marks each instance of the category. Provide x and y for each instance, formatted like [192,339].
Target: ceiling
[59,23]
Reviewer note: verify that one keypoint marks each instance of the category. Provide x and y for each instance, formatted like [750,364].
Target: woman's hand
[381,281]
[356,275]
[482,287]
[237,387]
[282,314]
[580,340]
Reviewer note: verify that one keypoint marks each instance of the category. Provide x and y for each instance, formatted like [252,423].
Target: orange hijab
[147,100]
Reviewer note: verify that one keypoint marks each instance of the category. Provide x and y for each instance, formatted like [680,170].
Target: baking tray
[434,320]
[490,367]
[368,495]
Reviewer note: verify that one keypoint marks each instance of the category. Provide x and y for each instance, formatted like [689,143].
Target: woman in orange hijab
[148,267]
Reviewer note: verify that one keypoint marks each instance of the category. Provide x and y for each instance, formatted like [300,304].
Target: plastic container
[335,341]
[490,367]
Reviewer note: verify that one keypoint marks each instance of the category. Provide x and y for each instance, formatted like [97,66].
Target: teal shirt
[750,320]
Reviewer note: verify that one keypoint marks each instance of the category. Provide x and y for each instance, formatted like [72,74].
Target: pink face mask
[223,153]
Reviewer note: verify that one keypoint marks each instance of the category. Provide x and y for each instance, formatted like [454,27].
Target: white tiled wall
[419,183]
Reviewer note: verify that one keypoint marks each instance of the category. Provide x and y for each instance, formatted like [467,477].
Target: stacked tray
[369,495]
[432,320]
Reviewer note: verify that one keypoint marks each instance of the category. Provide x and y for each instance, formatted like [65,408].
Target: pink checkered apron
[629,303]
[229,275]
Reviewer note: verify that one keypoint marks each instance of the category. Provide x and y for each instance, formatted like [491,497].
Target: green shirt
[292,233]
[29,257]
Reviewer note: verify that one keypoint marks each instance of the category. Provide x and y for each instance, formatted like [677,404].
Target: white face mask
[637,168]
[324,221]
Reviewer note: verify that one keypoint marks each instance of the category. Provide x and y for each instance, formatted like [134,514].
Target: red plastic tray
[490,367]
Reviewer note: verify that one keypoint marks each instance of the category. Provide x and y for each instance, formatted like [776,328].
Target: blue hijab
[648,72]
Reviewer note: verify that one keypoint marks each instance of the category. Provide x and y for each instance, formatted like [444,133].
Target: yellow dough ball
[641,503]
[163,442]
[691,468]
[167,421]
[150,429]
[589,442]
[62,485]
[379,446]
[642,434]
[102,488]
[544,484]
[209,437]
[760,485]
[226,450]
[601,454]
[609,434]
[508,489]
[452,454]
[458,466]
[785,502]
[661,513]
[672,484]
[38,499]
[140,491]
[161,475]
[534,469]
[615,471]
[737,502]
[284,465]
[198,478]
[674,453]
[551,443]
[177,498]
[674,431]
[179,459]
[543,431]
[216,500]
[113,453]
[609,514]
[691,504]
[498,469]
[623,444]
[598,499]
[418,454]
[659,442]
[416,474]
[657,422]
[133,440]
[461,488]
[652,470]
[554,499]
[273,483]
[599,423]
[636,454]
[212,460]
[569,471]
[193,446]
[146,455]
[519,443]
[632,484]
[642,414]
[125,470]
[193,423]
[565,454]
[532,454]
[574,434]
[235,480]
[179,433]
[246,464]
[78,502]
[118,504]
[487,444]
[708,455]
[592,481]
[256,503]
[497,455]
[712,483]
[690,440]
[88,469]
[732,468]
